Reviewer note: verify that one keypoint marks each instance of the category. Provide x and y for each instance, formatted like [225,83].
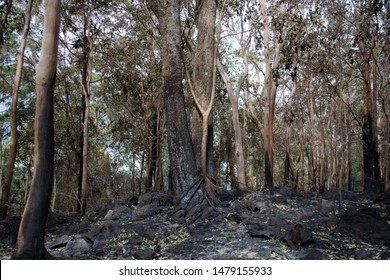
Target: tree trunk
[238,139]
[288,120]
[271,64]
[203,69]
[311,169]
[30,241]
[370,152]
[6,188]
[181,156]
[86,78]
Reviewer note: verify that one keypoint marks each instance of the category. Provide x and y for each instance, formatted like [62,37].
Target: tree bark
[86,78]
[181,155]
[203,69]
[370,153]
[270,87]
[6,188]
[30,241]
[233,95]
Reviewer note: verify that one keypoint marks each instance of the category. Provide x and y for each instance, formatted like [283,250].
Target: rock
[134,240]
[325,206]
[108,216]
[60,242]
[235,218]
[98,243]
[109,229]
[312,254]
[362,226]
[9,231]
[155,198]
[278,199]
[133,201]
[298,235]
[261,205]
[263,231]
[121,211]
[373,212]
[77,247]
[145,254]
[328,221]
[241,205]
[146,211]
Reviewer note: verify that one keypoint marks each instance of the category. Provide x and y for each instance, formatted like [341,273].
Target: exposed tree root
[199,201]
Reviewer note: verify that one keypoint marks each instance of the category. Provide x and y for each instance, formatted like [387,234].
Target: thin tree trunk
[233,95]
[289,118]
[30,241]
[6,188]
[271,63]
[311,170]
[203,69]
[86,78]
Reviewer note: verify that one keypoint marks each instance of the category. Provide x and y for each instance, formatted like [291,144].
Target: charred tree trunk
[6,188]
[30,241]
[190,197]
[181,156]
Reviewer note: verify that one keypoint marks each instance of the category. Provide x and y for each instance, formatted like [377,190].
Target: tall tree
[202,76]
[181,156]
[272,60]
[6,188]
[86,78]
[365,37]
[30,241]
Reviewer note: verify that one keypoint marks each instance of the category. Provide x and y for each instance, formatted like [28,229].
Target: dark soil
[288,225]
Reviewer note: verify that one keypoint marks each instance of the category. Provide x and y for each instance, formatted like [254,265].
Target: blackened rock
[109,229]
[155,198]
[60,242]
[263,231]
[312,254]
[133,201]
[9,231]
[134,240]
[235,218]
[325,206]
[298,235]
[363,226]
[146,211]
[146,254]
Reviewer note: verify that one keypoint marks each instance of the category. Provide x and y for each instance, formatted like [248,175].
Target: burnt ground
[287,225]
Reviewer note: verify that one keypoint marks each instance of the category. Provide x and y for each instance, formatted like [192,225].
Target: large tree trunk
[370,152]
[30,241]
[181,156]
[6,188]
[192,197]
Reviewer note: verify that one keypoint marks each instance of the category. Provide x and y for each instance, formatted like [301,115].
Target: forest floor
[288,225]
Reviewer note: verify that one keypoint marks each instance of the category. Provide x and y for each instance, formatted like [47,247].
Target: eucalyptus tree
[6,188]
[30,241]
